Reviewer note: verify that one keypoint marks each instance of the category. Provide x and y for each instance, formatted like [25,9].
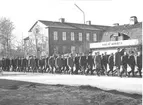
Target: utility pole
[81,11]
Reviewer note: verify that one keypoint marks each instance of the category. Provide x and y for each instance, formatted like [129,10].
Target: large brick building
[64,37]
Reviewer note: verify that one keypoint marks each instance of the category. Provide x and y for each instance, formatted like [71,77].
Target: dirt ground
[25,93]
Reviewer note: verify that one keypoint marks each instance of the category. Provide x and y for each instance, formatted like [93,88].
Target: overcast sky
[24,13]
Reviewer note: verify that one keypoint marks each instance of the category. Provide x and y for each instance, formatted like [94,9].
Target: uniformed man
[41,64]
[7,64]
[52,63]
[139,63]
[105,62]
[58,64]
[37,64]
[117,61]
[24,64]
[32,64]
[111,63]
[47,64]
[102,64]
[77,64]
[131,61]
[98,63]
[13,63]
[19,64]
[44,63]
[90,63]
[71,63]
[83,63]
[3,64]
[65,65]
[124,60]
[29,66]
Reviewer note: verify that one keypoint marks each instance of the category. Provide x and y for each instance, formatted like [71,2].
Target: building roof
[125,27]
[85,26]
[70,25]
[56,24]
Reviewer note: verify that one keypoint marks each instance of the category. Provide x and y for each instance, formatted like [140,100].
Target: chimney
[133,20]
[62,20]
[116,24]
[88,22]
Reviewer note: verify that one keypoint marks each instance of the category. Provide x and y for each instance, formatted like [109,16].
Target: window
[72,36]
[64,35]
[94,37]
[80,36]
[55,35]
[87,36]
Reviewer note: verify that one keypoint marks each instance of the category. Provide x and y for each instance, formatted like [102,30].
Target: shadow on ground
[27,93]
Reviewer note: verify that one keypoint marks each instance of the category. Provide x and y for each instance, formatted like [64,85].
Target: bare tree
[6,28]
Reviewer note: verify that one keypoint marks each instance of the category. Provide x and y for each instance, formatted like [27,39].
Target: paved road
[127,85]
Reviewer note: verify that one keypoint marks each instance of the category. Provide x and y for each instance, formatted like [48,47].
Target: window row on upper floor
[72,36]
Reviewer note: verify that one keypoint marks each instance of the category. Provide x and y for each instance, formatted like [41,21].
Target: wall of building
[42,41]
[133,31]
[80,46]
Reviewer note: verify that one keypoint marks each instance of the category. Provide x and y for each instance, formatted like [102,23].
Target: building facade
[128,37]
[48,37]
[61,37]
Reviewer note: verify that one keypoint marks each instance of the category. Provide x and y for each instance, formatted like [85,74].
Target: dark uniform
[24,64]
[13,63]
[47,63]
[37,64]
[0,66]
[98,64]
[139,64]
[83,63]
[52,63]
[32,64]
[131,62]
[111,63]
[44,64]
[105,61]
[90,63]
[41,64]
[117,62]
[19,64]
[71,63]
[65,65]
[7,64]
[124,64]
[77,64]
[58,64]
[3,64]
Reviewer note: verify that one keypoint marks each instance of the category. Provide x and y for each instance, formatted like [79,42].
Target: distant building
[128,36]
[62,37]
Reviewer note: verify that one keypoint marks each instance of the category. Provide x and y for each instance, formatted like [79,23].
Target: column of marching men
[80,64]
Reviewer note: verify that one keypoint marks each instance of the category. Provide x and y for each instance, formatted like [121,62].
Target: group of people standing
[80,64]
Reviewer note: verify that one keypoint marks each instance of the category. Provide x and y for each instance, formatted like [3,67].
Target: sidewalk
[127,85]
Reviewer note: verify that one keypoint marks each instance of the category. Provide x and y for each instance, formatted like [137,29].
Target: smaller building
[128,36]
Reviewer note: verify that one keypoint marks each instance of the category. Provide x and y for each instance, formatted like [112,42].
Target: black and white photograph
[71,52]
